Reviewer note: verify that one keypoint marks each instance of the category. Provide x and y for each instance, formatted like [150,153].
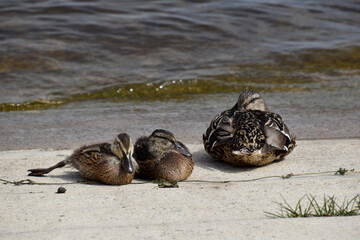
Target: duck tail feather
[276,140]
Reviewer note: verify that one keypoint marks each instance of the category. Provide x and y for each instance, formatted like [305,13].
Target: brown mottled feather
[95,162]
[248,134]
[158,158]
[102,166]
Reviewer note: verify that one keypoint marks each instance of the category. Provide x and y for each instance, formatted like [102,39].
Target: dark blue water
[73,72]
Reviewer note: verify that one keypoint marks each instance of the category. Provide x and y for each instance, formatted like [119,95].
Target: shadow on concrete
[69,176]
[204,160]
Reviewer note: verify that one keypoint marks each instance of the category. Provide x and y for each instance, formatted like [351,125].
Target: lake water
[75,72]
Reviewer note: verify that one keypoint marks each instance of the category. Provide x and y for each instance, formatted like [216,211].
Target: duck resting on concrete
[248,134]
[103,162]
[161,156]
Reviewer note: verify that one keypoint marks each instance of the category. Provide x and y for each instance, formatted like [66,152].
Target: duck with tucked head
[161,156]
[103,162]
[248,134]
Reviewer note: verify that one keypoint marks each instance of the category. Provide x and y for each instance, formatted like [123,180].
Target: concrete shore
[195,210]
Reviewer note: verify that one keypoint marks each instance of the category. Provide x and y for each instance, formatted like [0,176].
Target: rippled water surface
[73,72]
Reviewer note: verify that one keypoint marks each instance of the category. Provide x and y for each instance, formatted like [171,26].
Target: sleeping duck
[161,156]
[248,134]
[103,162]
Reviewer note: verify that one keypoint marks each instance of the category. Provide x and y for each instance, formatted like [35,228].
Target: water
[75,72]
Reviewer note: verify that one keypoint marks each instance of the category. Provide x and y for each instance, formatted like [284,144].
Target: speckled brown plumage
[161,156]
[103,162]
[248,134]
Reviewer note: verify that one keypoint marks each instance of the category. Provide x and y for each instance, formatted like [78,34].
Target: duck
[111,164]
[161,156]
[248,134]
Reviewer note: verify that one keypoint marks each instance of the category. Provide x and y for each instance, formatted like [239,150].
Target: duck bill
[128,165]
[182,149]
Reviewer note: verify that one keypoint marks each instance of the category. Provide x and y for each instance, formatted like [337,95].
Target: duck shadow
[70,177]
[74,177]
[204,160]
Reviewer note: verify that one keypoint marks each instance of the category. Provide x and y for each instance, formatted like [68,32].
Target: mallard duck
[161,156]
[108,163]
[248,134]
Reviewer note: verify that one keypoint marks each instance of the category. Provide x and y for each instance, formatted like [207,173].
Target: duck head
[123,149]
[251,100]
[165,140]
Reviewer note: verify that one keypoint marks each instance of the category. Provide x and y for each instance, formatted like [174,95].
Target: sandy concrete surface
[195,210]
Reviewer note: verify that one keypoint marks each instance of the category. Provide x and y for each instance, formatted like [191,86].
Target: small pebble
[61,190]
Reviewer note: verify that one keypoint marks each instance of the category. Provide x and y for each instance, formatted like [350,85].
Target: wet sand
[69,128]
